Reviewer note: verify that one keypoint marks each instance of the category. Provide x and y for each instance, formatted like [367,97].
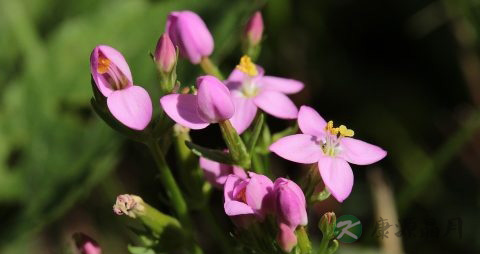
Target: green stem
[171,186]
[303,241]
[322,249]
[210,68]
[235,145]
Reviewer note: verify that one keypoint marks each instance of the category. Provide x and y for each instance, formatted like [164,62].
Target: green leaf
[140,250]
[252,141]
[211,154]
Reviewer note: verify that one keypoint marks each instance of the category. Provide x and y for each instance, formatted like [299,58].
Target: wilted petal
[245,112]
[276,104]
[337,176]
[214,100]
[359,152]
[286,238]
[283,85]
[301,148]
[131,106]
[182,108]
[310,122]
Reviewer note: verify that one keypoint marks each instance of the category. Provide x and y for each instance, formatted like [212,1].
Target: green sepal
[211,154]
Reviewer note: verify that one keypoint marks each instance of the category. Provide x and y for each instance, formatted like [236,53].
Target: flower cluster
[257,202]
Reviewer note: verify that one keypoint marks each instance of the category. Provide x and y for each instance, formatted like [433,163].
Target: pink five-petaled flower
[211,104]
[291,211]
[248,197]
[216,173]
[128,103]
[190,34]
[331,147]
[251,90]
[85,244]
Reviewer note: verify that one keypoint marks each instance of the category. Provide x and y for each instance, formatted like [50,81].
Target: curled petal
[359,152]
[229,187]
[245,112]
[310,122]
[214,100]
[291,204]
[182,108]
[337,176]
[276,104]
[131,106]
[301,148]
[283,85]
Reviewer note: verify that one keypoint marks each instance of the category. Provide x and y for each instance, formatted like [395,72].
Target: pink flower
[290,205]
[216,173]
[211,104]
[248,196]
[190,34]
[128,103]
[85,244]
[254,28]
[332,148]
[251,90]
[165,54]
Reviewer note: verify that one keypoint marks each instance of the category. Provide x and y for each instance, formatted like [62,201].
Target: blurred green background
[404,74]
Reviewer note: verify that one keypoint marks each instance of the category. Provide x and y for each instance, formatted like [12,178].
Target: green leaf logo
[348,229]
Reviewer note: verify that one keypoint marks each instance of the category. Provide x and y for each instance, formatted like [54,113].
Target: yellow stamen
[247,66]
[342,130]
[103,65]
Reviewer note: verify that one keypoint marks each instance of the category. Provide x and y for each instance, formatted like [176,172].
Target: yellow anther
[247,66]
[342,130]
[103,65]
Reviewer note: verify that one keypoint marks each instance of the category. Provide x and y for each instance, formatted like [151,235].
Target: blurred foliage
[404,74]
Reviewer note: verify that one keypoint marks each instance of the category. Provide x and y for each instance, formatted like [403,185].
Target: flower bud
[254,29]
[214,101]
[327,224]
[286,238]
[165,54]
[85,244]
[190,34]
[290,203]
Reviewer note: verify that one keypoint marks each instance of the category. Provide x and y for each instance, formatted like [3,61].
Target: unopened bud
[327,224]
[254,29]
[165,54]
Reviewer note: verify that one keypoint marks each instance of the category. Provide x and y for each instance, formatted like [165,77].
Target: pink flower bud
[214,101]
[286,238]
[165,54]
[85,244]
[290,203]
[190,34]
[254,28]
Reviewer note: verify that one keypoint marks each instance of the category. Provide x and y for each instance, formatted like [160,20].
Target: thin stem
[171,186]
[235,145]
[322,249]
[210,68]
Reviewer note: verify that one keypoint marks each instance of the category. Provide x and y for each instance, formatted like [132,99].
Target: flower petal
[233,208]
[276,104]
[131,106]
[229,187]
[337,176]
[182,108]
[216,173]
[214,100]
[286,237]
[238,76]
[245,111]
[359,152]
[310,122]
[283,85]
[301,148]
